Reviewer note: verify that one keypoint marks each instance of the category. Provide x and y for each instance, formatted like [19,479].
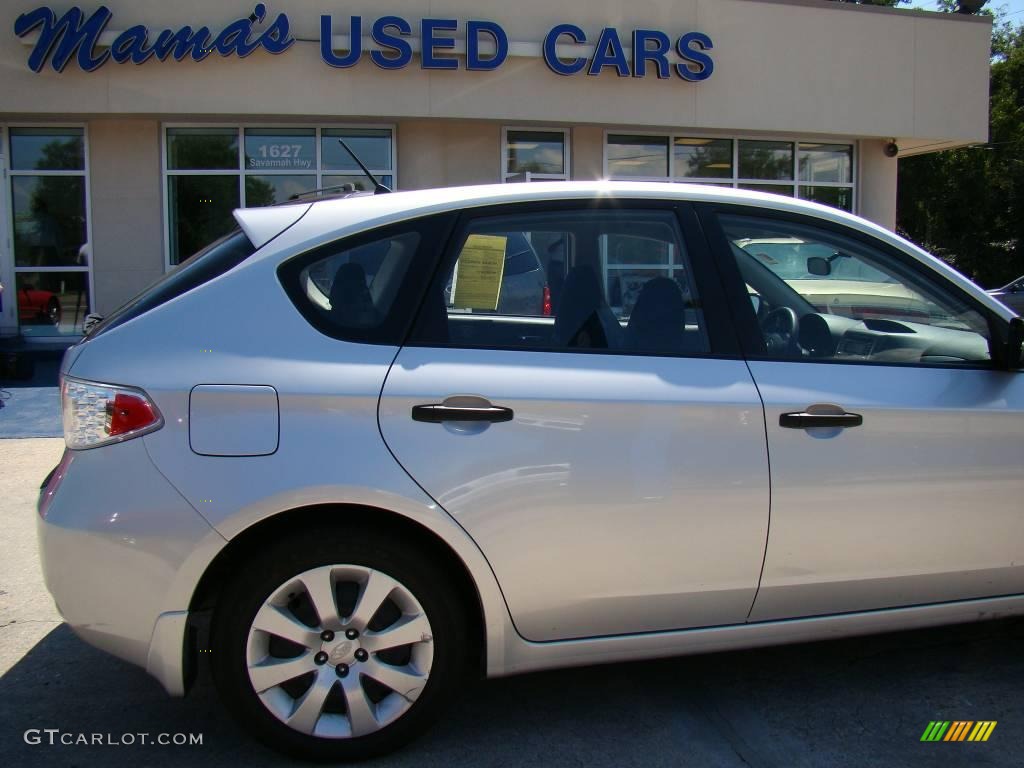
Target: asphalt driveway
[863,702]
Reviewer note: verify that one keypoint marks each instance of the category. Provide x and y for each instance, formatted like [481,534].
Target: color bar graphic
[935,731]
[958,730]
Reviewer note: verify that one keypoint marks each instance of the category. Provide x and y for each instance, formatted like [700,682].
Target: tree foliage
[967,205]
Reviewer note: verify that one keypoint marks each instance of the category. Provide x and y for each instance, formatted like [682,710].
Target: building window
[535,154]
[808,170]
[48,192]
[210,171]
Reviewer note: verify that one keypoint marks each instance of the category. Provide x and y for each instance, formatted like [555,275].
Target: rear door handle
[439,412]
[804,420]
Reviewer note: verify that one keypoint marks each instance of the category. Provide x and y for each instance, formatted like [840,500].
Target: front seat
[584,320]
[351,303]
[658,321]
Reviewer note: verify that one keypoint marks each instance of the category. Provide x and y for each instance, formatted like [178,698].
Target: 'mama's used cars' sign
[389,40]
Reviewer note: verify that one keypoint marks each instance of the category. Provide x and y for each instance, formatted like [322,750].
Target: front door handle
[804,420]
[439,412]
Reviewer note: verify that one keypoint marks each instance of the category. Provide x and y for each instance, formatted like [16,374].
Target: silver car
[1012,295]
[307,460]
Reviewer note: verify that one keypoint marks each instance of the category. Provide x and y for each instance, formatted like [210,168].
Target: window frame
[735,181]
[745,320]
[506,176]
[722,339]
[10,265]
[241,172]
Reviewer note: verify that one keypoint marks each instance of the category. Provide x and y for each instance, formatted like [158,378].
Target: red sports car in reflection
[38,306]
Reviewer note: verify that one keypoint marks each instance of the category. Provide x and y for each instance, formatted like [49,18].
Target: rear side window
[353,289]
[365,288]
[213,261]
[595,280]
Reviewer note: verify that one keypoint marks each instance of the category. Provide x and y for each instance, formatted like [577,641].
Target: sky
[1014,8]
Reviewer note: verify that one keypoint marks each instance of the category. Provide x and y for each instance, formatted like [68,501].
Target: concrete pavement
[862,702]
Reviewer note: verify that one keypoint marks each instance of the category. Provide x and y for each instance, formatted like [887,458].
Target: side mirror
[1014,342]
[819,267]
[755,300]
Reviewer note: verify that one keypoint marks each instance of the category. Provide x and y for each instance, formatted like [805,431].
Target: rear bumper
[113,537]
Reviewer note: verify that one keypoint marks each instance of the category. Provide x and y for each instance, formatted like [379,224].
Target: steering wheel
[781,329]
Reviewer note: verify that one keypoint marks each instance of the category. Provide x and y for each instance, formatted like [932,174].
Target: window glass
[826,170]
[51,303]
[359,182]
[609,280]
[280,149]
[766,160]
[200,211]
[206,179]
[535,152]
[837,197]
[637,155]
[771,189]
[47,149]
[822,295]
[277,188]
[703,158]
[49,220]
[826,163]
[371,145]
[202,149]
[354,288]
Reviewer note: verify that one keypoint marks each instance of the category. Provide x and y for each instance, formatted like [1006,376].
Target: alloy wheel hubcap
[339,651]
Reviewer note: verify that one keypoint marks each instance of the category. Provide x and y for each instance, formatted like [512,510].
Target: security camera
[891,149]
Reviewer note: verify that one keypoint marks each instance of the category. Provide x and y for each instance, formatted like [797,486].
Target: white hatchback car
[324,451]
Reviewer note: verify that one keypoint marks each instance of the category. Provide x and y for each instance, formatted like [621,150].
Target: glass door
[49,235]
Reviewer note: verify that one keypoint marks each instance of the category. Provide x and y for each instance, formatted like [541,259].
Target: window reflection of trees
[766,160]
[52,229]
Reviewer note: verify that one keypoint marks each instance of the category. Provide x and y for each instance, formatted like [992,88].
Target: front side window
[821,295]
[211,171]
[612,280]
[48,183]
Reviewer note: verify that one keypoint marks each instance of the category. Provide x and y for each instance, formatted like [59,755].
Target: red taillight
[99,414]
[546,302]
[127,413]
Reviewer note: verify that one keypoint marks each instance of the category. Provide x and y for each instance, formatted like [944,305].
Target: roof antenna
[378,188]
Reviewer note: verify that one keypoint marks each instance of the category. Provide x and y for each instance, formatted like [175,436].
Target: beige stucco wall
[126,237]
[434,153]
[587,152]
[877,184]
[799,66]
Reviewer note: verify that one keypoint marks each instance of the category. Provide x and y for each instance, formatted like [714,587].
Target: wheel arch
[346,516]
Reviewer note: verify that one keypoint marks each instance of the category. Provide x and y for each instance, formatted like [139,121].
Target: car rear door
[609,461]
[895,442]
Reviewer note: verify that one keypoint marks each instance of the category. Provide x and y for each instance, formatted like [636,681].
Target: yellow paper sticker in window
[477,280]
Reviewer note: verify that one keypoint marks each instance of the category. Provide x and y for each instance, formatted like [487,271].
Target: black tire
[265,571]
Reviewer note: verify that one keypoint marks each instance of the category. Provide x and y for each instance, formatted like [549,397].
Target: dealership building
[130,130]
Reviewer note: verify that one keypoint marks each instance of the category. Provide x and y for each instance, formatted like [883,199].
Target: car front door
[895,442]
[609,460]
